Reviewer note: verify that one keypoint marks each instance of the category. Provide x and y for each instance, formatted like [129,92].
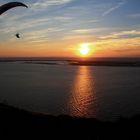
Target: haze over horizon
[56,28]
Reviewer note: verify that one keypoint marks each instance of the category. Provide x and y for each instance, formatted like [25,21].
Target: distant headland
[118,62]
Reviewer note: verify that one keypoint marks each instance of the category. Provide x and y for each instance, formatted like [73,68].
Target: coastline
[105,63]
[18,123]
[111,63]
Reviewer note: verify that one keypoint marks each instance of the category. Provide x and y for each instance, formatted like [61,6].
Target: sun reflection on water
[83,94]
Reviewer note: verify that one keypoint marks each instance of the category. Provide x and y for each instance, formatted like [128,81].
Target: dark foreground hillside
[20,124]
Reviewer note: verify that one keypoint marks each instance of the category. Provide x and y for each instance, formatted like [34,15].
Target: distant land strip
[79,62]
[105,63]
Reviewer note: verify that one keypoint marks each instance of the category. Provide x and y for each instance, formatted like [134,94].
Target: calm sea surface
[84,91]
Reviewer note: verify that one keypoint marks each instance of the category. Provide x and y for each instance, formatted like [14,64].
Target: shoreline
[21,123]
[79,62]
[105,63]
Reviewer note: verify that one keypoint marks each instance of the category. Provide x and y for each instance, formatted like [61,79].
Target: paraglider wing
[10,5]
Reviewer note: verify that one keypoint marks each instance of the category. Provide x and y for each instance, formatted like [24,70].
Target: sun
[84,49]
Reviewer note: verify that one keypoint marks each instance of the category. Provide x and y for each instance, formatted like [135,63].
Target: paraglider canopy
[10,5]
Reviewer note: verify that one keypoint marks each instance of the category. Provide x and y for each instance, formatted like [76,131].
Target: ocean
[105,93]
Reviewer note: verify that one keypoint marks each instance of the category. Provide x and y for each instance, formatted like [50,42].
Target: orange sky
[70,48]
[48,30]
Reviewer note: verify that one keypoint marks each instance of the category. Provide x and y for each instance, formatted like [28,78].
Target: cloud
[41,26]
[126,42]
[114,8]
[136,15]
[119,47]
[82,33]
[122,34]
[88,30]
[49,3]
[41,35]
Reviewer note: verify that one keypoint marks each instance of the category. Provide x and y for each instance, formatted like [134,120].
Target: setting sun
[84,49]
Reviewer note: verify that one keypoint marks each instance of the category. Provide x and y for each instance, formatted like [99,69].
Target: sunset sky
[58,28]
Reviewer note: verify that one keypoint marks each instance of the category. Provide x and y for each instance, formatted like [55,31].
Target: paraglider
[10,5]
[17,35]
